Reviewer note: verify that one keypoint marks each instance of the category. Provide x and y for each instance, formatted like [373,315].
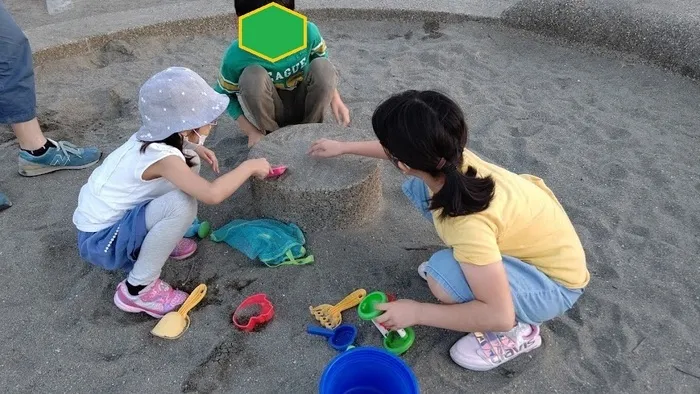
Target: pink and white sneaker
[484,351]
[422,270]
[156,299]
[184,249]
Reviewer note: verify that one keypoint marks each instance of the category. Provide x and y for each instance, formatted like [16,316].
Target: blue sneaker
[4,202]
[64,156]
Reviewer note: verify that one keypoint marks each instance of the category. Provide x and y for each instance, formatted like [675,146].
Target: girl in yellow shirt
[514,259]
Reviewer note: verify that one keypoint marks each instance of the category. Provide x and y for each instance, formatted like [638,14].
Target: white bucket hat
[175,100]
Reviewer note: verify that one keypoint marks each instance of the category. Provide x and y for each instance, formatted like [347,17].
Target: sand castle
[317,194]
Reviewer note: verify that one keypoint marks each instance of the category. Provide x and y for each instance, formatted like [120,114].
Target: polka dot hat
[175,100]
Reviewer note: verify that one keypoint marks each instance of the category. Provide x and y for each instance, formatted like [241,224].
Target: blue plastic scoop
[340,339]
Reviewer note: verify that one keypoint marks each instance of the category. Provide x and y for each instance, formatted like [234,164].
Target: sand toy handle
[320,331]
[194,298]
[353,299]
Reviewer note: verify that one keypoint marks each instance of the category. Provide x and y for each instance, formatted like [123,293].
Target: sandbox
[317,194]
[610,136]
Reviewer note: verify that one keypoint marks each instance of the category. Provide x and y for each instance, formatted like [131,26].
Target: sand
[616,140]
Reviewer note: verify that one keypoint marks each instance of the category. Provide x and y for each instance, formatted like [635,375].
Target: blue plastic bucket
[368,370]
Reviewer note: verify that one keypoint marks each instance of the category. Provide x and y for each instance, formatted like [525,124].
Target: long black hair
[246,6]
[426,130]
[176,141]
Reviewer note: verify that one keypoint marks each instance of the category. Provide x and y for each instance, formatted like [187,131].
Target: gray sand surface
[617,141]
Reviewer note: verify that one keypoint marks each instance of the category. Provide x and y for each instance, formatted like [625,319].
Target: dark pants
[272,108]
[17,94]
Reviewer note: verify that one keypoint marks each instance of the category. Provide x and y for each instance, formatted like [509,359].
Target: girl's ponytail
[462,193]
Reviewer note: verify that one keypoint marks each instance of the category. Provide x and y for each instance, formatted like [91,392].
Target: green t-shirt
[285,73]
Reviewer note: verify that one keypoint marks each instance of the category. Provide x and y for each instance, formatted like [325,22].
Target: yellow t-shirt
[524,220]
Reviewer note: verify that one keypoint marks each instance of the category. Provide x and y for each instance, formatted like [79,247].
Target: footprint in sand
[616,133]
[615,171]
[115,51]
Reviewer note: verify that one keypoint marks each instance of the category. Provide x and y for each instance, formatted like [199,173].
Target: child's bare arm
[491,310]
[330,148]
[176,171]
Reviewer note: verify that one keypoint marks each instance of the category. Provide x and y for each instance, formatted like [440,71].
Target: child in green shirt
[294,90]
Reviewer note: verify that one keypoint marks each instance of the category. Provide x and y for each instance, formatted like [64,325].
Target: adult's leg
[167,220]
[259,96]
[4,202]
[18,108]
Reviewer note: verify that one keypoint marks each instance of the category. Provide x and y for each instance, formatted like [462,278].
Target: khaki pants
[272,108]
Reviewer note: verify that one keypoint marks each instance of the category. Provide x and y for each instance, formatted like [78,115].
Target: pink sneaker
[484,351]
[422,270]
[156,299]
[184,249]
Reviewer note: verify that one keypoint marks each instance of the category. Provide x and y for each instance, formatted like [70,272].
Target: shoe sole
[132,309]
[184,256]
[5,206]
[488,368]
[31,170]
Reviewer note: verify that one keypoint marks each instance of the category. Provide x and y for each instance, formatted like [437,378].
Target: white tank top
[116,186]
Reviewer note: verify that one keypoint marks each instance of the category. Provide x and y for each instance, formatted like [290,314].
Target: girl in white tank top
[136,206]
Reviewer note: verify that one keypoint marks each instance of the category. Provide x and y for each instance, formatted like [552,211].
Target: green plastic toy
[396,342]
[200,229]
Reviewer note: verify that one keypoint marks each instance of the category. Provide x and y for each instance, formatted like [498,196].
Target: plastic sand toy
[340,339]
[397,342]
[200,229]
[254,312]
[174,324]
[276,172]
[330,315]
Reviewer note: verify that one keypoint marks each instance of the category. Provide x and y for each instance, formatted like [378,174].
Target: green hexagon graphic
[272,32]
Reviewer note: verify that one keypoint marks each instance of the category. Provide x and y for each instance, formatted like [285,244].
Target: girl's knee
[416,191]
[439,292]
[182,204]
[446,278]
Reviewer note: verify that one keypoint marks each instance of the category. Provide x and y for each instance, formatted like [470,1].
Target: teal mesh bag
[271,241]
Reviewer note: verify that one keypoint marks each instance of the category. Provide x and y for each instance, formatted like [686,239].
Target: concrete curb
[47,47]
[667,39]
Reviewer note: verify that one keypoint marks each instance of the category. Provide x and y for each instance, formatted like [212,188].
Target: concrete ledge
[317,194]
[74,36]
[667,39]
[668,36]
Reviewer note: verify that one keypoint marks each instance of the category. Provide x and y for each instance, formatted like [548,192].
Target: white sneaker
[484,351]
[421,270]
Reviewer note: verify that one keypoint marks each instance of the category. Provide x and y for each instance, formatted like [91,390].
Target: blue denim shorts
[536,297]
[17,89]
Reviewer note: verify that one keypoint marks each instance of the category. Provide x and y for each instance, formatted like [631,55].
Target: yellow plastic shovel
[174,324]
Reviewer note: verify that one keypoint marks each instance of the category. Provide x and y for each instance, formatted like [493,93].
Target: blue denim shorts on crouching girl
[536,297]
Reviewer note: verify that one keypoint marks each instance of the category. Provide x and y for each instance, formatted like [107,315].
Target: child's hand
[398,314]
[326,148]
[340,111]
[259,168]
[208,155]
